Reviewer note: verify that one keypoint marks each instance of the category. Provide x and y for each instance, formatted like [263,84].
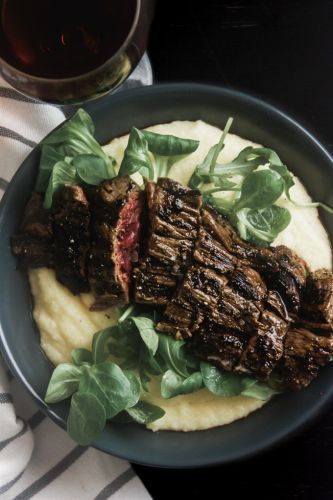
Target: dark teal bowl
[19,339]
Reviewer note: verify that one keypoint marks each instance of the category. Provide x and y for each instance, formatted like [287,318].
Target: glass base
[142,75]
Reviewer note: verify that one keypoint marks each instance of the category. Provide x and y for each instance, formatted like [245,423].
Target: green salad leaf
[262,226]
[147,332]
[219,382]
[101,389]
[173,384]
[71,154]
[64,382]
[63,172]
[144,413]
[99,345]
[260,189]
[137,157]
[152,155]
[81,356]
[86,418]
[91,169]
[112,387]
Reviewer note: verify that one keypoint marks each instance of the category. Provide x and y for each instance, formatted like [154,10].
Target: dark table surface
[282,51]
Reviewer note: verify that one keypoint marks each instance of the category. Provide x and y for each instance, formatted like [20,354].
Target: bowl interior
[253,120]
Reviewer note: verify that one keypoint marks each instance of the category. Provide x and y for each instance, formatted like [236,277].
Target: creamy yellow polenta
[65,321]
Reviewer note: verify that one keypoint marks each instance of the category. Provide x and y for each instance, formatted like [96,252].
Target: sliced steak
[198,293]
[317,299]
[265,347]
[116,207]
[218,226]
[255,352]
[304,354]
[173,221]
[71,219]
[153,283]
[248,283]
[286,273]
[275,303]
[204,293]
[217,345]
[212,253]
[33,245]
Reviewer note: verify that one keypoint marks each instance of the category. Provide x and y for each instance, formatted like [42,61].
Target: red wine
[63,38]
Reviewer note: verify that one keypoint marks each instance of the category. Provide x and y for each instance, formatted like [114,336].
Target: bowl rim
[297,424]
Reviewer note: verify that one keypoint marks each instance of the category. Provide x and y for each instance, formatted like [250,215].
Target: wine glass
[69,51]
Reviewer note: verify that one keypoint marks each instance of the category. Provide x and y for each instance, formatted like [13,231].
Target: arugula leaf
[219,382]
[144,412]
[230,384]
[99,345]
[64,382]
[173,384]
[169,145]
[135,387]
[86,418]
[63,172]
[91,169]
[137,157]
[174,354]
[147,332]
[80,356]
[286,176]
[76,136]
[261,227]
[167,150]
[260,189]
[208,165]
[259,390]
[152,155]
[314,204]
[49,157]
[73,138]
[112,387]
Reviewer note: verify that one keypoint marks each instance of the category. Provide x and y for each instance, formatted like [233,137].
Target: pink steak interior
[127,240]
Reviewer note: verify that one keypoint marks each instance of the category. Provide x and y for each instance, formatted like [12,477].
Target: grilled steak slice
[218,226]
[211,253]
[198,293]
[304,354]
[205,293]
[153,284]
[33,245]
[256,352]
[71,219]
[285,272]
[116,207]
[265,347]
[248,282]
[317,299]
[274,301]
[213,343]
[280,267]
[173,220]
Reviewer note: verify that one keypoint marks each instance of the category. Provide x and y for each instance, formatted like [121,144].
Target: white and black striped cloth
[37,458]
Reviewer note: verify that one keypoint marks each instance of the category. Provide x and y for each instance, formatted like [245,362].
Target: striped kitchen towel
[37,458]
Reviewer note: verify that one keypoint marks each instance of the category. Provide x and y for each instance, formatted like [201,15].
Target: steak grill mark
[244,308]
